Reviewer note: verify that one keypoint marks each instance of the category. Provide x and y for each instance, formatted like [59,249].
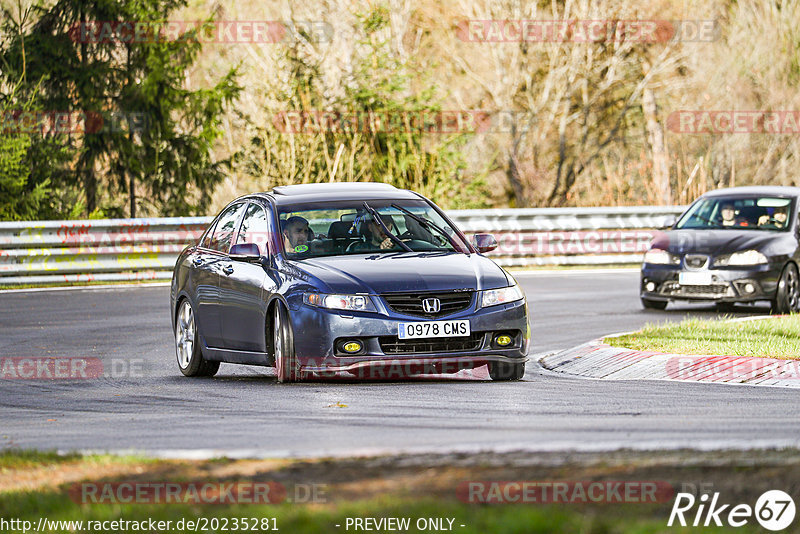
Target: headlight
[657,256]
[493,297]
[746,257]
[339,302]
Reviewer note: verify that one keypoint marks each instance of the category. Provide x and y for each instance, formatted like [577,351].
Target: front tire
[283,344]
[654,304]
[187,347]
[506,371]
[787,297]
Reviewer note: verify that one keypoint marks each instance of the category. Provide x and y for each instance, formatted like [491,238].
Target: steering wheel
[352,246]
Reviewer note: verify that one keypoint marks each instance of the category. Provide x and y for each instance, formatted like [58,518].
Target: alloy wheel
[278,341]
[792,290]
[185,335]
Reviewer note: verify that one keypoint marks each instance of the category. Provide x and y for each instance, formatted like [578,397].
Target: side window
[226,227]
[254,228]
[206,243]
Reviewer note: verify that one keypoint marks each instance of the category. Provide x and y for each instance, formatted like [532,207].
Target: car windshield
[371,227]
[738,213]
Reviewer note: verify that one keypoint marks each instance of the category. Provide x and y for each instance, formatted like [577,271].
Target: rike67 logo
[774,510]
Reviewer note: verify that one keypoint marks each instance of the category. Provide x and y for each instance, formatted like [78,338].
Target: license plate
[433,329]
[694,279]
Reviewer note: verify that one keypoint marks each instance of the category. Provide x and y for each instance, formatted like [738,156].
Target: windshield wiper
[429,224]
[378,219]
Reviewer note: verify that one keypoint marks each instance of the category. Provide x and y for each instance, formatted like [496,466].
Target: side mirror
[667,223]
[245,252]
[484,242]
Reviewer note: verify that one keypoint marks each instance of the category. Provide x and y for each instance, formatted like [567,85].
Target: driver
[728,214]
[376,236]
[295,234]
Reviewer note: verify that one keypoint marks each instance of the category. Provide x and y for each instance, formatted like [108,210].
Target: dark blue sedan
[735,245]
[350,279]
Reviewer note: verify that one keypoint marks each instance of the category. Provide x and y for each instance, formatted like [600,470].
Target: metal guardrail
[146,249]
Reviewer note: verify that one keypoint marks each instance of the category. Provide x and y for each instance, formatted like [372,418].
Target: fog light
[749,288]
[650,287]
[503,340]
[351,347]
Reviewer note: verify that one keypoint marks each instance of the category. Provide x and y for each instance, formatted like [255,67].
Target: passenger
[295,234]
[778,219]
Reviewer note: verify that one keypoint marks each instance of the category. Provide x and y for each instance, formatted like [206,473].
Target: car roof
[778,190]
[326,192]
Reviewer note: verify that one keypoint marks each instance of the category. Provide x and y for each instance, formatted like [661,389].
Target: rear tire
[654,304]
[506,371]
[286,367]
[187,347]
[787,296]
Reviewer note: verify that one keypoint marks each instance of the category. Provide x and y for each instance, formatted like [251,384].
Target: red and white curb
[599,360]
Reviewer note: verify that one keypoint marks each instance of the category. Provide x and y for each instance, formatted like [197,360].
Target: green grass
[56,503]
[774,337]
[315,519]
[17,459]
[22,458]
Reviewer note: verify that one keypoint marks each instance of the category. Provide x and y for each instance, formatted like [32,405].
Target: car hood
[715,242]
[417,271]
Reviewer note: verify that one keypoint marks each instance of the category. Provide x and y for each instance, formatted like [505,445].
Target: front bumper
[750,284]
[317,332]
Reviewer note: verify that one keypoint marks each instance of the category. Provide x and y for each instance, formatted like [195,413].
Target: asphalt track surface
[242,412]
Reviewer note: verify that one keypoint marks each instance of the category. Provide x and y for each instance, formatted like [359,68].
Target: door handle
[228,269]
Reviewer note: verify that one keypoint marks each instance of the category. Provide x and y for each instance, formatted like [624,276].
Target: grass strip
[773,337]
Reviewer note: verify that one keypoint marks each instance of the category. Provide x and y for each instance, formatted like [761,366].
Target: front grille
[713,290]
[411,303]
[393,345]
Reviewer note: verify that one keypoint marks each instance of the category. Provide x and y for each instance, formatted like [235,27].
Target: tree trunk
[132,188]
[513,172]
[90,188]
[655,137]
[89,178]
